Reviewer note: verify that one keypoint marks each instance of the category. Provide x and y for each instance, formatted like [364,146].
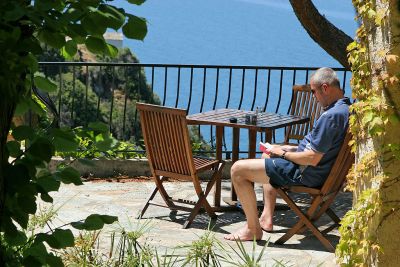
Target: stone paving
[124,199]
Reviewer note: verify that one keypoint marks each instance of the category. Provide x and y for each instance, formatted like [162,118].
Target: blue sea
[231,32]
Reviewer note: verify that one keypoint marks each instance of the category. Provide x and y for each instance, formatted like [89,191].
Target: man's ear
[324,87]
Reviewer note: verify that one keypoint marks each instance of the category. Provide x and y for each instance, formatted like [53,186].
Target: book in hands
[265,148]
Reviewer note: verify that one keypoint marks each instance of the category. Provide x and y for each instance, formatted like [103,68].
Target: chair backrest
[340,168]
[303,104]
[167,141]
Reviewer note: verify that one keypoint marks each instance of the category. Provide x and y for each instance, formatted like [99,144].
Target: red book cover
[265,147]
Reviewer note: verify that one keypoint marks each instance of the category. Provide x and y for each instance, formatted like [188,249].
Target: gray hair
[326,75]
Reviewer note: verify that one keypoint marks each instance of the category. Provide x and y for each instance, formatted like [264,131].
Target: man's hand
[277,151]
[307,157]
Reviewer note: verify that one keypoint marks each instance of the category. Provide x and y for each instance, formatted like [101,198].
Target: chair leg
[303,220]
[147,203]
[333,215]
[195,211]
[159,188]
[202,202]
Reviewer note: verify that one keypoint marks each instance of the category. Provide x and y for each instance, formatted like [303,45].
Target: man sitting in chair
[308,164]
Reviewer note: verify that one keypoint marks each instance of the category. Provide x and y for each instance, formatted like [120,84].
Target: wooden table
[266,122]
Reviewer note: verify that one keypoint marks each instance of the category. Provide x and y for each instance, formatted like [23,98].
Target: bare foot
[244,234]
[266,225]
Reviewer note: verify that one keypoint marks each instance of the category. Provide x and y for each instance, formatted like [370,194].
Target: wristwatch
[283,155]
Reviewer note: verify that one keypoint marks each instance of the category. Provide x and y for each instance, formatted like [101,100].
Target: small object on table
[247,118]
[233,120]
[253,119]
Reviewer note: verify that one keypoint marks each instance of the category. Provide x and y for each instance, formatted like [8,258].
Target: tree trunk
[370,231]
[7,109]
[330,38]
[387,224]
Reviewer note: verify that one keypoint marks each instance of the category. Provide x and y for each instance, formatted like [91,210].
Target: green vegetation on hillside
[105,94]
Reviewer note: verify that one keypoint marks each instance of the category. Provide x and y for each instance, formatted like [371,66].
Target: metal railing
[108,91]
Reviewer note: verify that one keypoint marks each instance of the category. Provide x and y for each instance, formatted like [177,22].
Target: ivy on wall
[372,114]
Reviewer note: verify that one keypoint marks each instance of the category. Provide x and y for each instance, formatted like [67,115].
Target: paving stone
[126,199]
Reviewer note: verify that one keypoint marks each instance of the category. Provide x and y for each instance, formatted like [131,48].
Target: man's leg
[243,174]
[270,193]
[266,221]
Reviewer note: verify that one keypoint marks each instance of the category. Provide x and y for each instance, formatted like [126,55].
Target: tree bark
[325,34]
[6,110]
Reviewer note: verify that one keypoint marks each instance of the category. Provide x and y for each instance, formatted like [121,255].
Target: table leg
[252,143]
[235,156]
[268,136]
[218,154]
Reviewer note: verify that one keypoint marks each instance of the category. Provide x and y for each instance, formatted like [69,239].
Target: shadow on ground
[284,219]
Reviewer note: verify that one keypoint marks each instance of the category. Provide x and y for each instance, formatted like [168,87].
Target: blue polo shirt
[326,137]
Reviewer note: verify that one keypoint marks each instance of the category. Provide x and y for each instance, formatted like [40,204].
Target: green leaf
[99,127]
[108,219]
[16,176]
[371,13]
[58,239]
[42,149]
[77,33]
[368,117]
[14,148]
[69,175]
[64,140]
[52,260]
[46,197]
[17,239]
[70,49]
[27,204]
[112,50]
[23,132]
[32,262]
[45,84]
[12,235]
[32,63]
[96,45]
[136,2]
[93,25]
[20,217]
[54,39]
[30,44]
[22,106]
[14,12]
[73,15]
[115,16]
[105,142]
[48,183]
[38,251]
[27,103]
[94,222]
[135,28]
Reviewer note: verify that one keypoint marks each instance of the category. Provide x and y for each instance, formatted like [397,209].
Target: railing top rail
[184,65]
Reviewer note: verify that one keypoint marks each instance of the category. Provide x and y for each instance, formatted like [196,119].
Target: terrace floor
[124,199]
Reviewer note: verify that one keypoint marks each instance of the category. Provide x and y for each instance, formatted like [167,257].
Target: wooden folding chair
[302,104]
[321,198]
[169,153]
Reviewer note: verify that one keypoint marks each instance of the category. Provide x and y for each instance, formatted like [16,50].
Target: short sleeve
[324,133]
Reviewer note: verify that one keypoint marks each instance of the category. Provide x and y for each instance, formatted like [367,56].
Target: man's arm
[307,157]
[289,148]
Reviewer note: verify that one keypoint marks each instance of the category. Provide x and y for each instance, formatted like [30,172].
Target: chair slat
[303,104]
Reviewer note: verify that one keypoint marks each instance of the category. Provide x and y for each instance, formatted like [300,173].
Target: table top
[265,120]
